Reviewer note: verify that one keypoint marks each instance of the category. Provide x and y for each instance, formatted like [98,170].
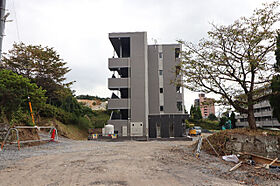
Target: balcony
[114,104]
[263,113]
[118,83]
[118,122]
[262,104]
[116,63]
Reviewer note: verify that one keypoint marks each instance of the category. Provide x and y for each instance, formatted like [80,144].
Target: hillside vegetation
[32,74]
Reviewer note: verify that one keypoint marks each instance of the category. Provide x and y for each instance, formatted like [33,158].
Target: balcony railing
[117,83]
[115,63]
[114,104]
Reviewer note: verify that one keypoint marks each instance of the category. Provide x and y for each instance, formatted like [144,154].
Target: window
[178,89]
[160,72]
[161,90]
[177,52]
[161,108]
[160,55]
[179,106]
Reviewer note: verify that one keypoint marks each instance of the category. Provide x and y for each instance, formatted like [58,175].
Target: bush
[212,117]
[206,124]
[61,115]
[84,123]
[100,118]
[48,111]
[20,117]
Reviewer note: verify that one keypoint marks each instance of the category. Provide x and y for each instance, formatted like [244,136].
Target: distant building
[144,103]
[263,115]
[206,105]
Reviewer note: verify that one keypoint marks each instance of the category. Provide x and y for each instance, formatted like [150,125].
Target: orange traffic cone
[53,135]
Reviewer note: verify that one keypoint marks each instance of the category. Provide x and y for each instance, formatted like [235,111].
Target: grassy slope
[68,131]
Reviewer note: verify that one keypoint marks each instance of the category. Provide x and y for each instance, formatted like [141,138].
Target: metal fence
[52,135]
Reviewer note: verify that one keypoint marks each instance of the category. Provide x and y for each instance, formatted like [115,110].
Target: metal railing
[52,133]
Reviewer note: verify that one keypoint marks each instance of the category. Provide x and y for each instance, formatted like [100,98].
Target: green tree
[275,84]
[14,92]
[40,64]
[195,113]
[198,115]
[212,117]
[234,61]
[223,121]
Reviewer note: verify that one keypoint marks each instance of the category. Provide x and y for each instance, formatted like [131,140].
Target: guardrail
[52,133]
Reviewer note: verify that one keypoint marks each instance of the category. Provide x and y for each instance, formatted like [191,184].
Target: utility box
[124,130]
[136,128]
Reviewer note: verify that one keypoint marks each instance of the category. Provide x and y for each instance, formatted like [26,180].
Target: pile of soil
[28,134]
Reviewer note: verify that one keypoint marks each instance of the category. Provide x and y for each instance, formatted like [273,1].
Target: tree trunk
[251,117]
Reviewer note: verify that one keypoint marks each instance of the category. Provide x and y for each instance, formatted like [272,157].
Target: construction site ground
[72,162]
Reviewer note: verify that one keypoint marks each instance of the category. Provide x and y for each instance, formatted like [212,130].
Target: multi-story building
[144,102]
[263,115]
[206,105]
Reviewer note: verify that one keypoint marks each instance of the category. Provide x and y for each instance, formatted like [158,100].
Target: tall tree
[195,113]
[234,61]
[40,64]
[275,84]
[198,113]
[14,93]
[212,117]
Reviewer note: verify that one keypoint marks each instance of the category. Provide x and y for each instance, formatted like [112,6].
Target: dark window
[125,44]
[161,108]
[161,90]
[160,55]
[178,89]
[177,52]
[160,72]
[179,106]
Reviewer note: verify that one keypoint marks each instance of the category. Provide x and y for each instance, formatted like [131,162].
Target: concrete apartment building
[206,105]
[144,102]
[263,116]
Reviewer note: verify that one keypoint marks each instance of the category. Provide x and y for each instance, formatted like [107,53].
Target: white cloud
[78,29]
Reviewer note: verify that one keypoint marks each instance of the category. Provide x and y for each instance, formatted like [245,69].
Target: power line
[14,9]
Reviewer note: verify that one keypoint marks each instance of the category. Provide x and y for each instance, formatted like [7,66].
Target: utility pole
[2,25]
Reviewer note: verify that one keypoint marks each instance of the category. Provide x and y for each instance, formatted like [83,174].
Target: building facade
[206,105]
[263,115]
[142,92]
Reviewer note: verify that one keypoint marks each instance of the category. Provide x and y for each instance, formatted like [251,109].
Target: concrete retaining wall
[268,146]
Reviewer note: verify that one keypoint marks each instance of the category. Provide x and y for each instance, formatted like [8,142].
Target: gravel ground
[11,154]
[114,163]
[211,165]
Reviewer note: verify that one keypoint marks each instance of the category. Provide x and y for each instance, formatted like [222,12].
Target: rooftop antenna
[155,41]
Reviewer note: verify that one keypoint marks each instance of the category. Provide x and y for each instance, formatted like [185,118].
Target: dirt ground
[112,163]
